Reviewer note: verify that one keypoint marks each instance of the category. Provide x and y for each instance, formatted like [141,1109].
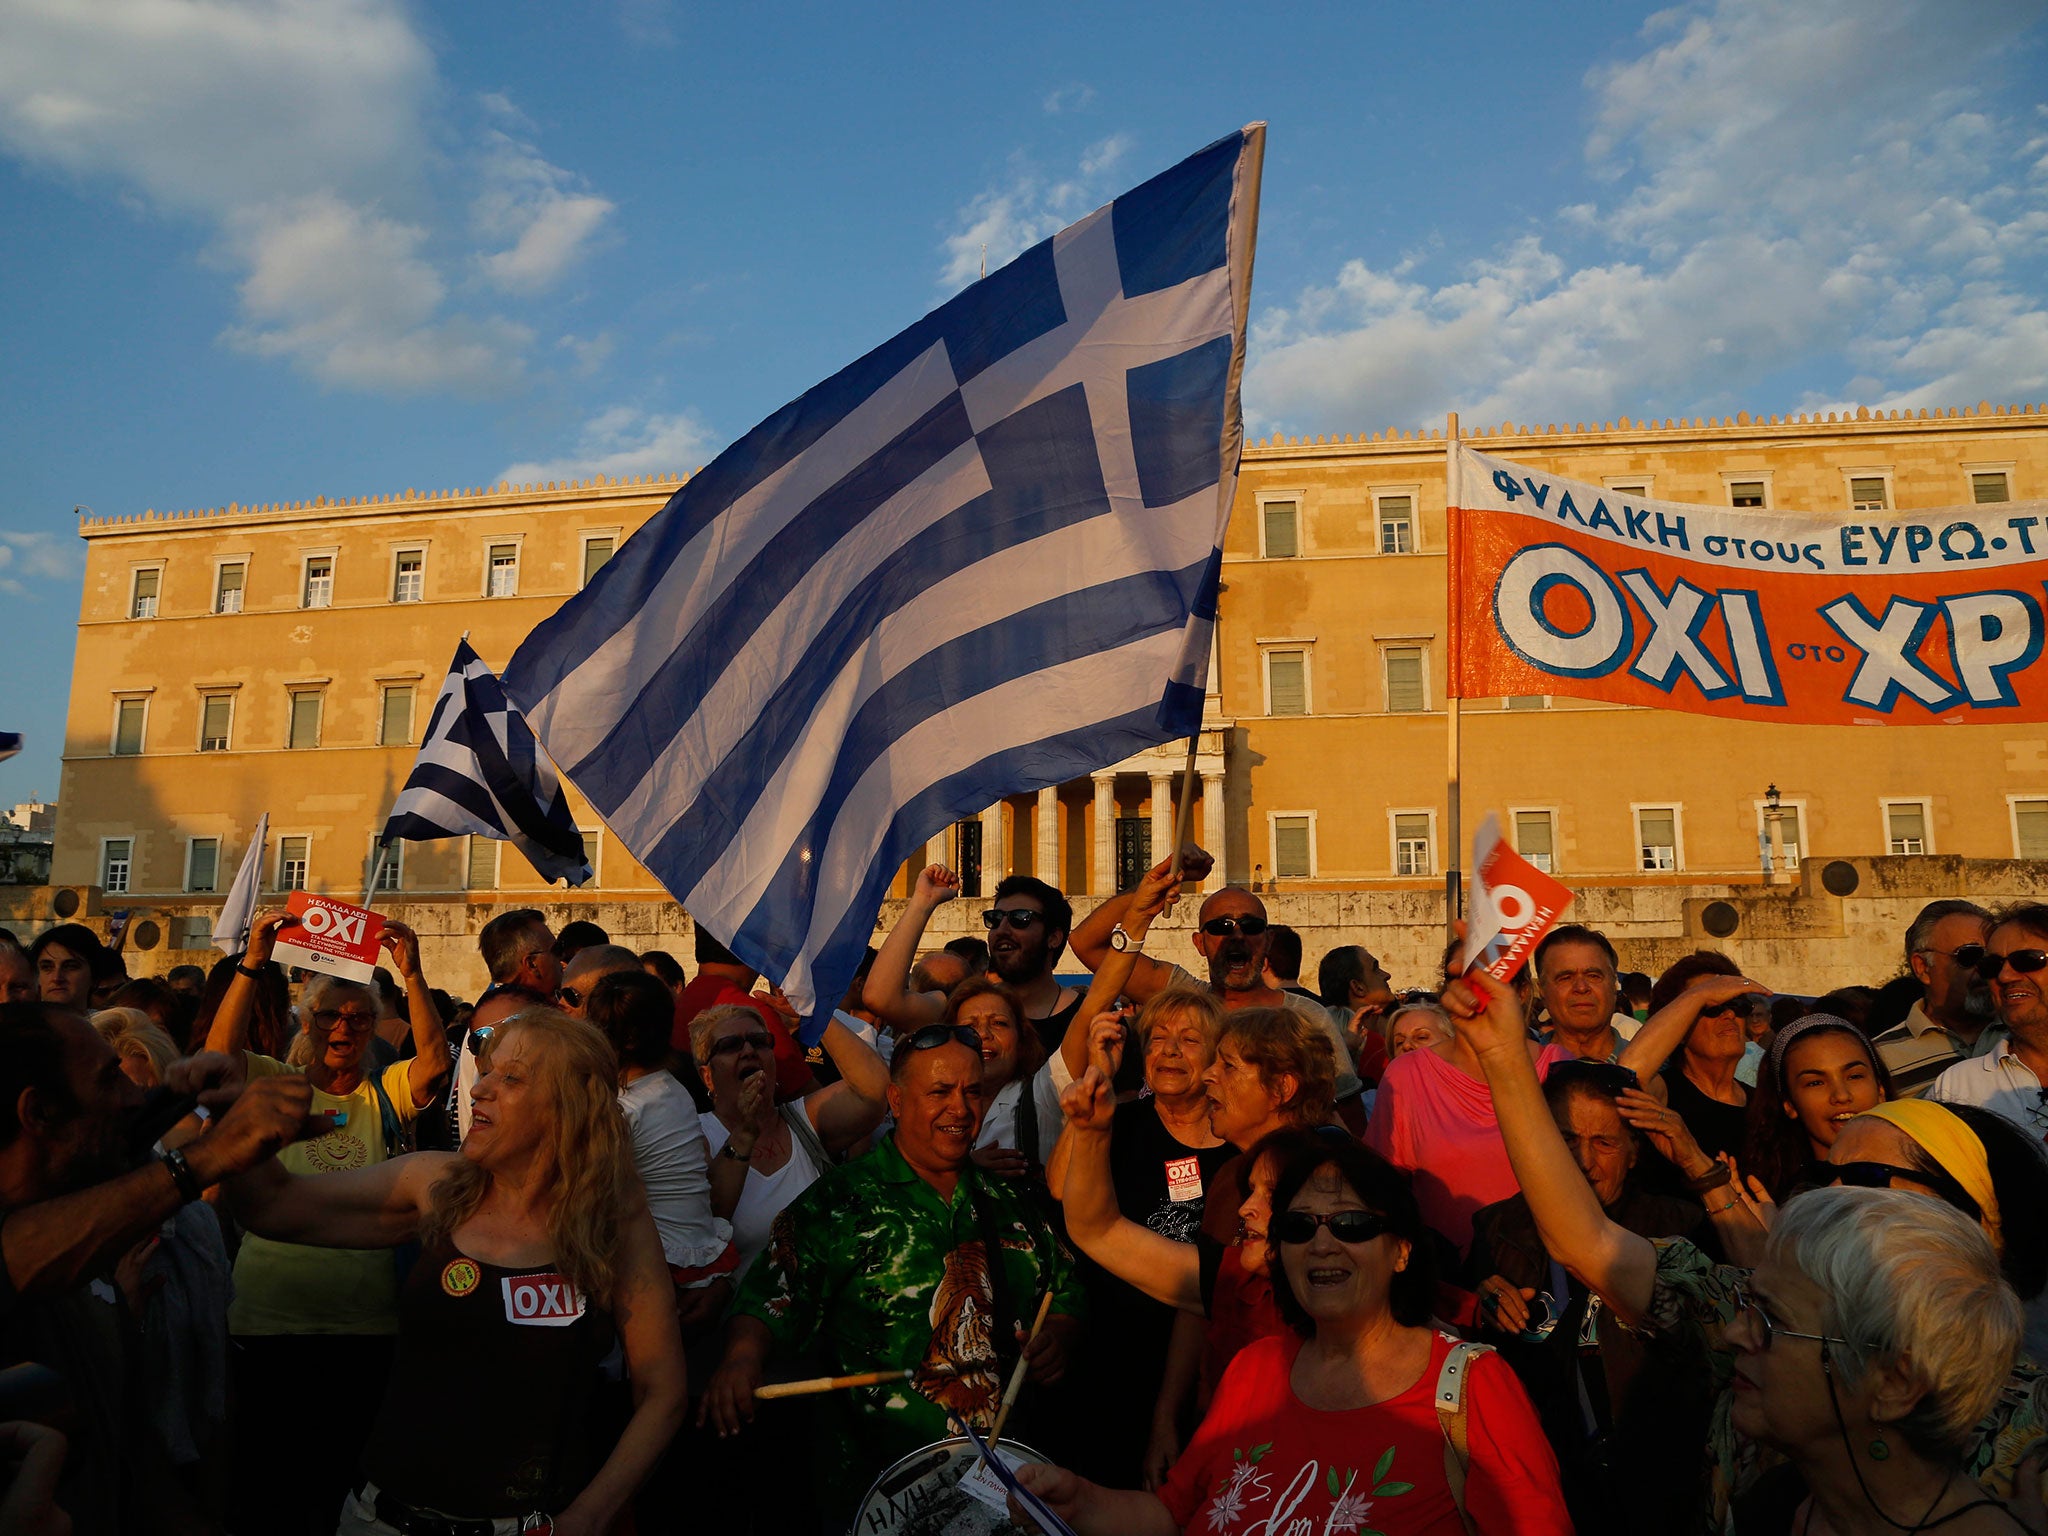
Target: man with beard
[1954,1018]
[884,1265]
[1231,935]
[1027,922]
[76,1195]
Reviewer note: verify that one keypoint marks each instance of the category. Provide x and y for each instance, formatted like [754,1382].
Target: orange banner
[1562,587]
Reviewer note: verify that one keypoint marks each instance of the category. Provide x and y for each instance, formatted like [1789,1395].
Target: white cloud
[1009,219]
[31,564]
[1823,188]
[625,441]
[308,138]
[1077,97]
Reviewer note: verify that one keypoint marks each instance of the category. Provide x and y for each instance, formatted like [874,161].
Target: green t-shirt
[296,1288]
[873,1271]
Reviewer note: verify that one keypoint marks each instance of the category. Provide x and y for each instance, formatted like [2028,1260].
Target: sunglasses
[1965,955]
[1296,1227]
[1019,918]
[732,1045]
[480,1039]
[1231,927]
[1868,1175]
[1992,964]
[1750,1005]
[1769,1327]
[352,1019]
[569,997]
[932,1036]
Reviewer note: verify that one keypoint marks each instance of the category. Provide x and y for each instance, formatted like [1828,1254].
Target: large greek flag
[480,772]
[980,560]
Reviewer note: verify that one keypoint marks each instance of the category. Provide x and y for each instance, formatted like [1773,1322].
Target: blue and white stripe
[481,773]
[980,560]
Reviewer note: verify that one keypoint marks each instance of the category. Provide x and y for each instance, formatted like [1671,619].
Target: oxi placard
[1513,905]
[329,936]
[1855,618]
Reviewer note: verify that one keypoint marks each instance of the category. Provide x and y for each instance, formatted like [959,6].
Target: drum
[920,1495]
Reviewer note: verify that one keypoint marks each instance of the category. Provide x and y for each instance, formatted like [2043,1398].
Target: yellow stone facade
[1322,767]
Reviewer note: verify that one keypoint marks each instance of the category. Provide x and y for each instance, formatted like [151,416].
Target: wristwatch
[738,1157]
[1121,942]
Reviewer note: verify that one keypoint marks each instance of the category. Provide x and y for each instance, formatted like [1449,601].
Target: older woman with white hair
[308,1314]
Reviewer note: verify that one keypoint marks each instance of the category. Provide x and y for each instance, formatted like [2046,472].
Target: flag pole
[1453,493]
[1184,814]
[376,870]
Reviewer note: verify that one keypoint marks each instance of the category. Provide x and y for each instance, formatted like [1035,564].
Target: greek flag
[480,772]
[980,560]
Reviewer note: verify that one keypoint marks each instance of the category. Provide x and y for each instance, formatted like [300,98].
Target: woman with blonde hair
[538,1252]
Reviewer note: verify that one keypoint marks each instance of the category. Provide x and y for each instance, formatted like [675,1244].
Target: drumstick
[816,1384]
[1017,1376]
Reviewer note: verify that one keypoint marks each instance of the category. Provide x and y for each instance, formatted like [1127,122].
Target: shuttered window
[1291,847]
[1405,691]
[1283,529]
[1287,682]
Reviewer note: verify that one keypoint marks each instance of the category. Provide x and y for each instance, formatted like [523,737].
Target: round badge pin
[460,1277]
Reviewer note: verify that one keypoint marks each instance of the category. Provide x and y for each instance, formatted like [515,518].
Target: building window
[1287,682]
[1905,826]
[1294,846]
[1281,522]
[216,720]
[593,852]
[504,571]
[1791,833]
[482,873]
[1985,486]
[391,873]
[117,856]
[597,548]
[293,856]
[1629,487]
[409,576]
[1526,701]
[129,715]
[317,591]
[1414,843]
[202,864]
[2030,829]
[395,729]
[148,582]
[227,587]
[1407,689]
[305,726]
[1536,839]
[1745,493]
[1657,838]
[1869,493]
[1397,525]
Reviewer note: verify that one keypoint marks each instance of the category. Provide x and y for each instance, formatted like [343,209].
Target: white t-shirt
[1998,1081]
[674,1164]
[999,1122]
[764,1195]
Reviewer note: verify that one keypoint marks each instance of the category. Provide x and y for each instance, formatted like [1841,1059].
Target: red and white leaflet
[1513,905]
[329,936]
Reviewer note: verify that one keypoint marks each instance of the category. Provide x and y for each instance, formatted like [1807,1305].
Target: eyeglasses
[732,1045]
[2024,961]
[1770,1328]
[352,1019]
[1968,956]
[1019,918]
[569,997]
[1353,1227]
[1869,1175]
[1231,927]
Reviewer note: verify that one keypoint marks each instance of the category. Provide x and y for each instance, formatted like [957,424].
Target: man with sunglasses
[2008,1078]
[1231,936]
[1027,922]
[1955,1018]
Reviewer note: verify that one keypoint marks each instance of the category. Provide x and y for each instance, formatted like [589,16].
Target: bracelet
[189,1188]
[1709,1181]
[243,970]
[1723,1210]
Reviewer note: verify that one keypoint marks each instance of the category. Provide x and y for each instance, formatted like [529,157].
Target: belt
[410,1521]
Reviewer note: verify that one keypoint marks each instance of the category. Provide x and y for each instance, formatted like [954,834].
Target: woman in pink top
[1434,1116]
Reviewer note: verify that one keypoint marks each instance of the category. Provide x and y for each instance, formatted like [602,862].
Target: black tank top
[492,1392]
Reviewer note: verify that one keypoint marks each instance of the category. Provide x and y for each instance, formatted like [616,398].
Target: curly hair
[590,1161]
[1276,1041]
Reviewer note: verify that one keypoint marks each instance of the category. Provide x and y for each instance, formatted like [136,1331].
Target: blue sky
[260,250]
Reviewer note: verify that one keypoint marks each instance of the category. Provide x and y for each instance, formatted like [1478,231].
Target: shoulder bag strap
[1003,1336]
[798,1119]
[396,1142]
[1453,1416]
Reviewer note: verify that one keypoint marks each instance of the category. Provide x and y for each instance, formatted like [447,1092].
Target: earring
[1879,1451]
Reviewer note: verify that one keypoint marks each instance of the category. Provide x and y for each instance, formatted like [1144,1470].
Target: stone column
[995,847]
[1212,827]
[1162,815]
[1102,881]
[939,850]
[1047,863]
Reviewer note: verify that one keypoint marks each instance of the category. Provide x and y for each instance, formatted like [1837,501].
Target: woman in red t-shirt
[1335,1429]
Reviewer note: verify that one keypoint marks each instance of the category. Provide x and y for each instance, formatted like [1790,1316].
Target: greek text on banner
[1562,587]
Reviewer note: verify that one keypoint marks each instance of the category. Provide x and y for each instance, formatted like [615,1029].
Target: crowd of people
[622,1247]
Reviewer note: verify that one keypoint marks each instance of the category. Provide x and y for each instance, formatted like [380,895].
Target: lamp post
[1774,823]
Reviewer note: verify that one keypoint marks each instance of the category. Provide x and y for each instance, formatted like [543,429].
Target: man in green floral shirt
[883,1265]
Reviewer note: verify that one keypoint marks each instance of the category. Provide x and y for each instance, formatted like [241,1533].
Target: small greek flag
[480,772]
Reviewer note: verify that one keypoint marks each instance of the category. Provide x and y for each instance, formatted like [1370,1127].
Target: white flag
[231,928]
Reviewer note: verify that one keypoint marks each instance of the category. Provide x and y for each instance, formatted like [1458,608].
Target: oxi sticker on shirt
[1183,1179]
[541,1301]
